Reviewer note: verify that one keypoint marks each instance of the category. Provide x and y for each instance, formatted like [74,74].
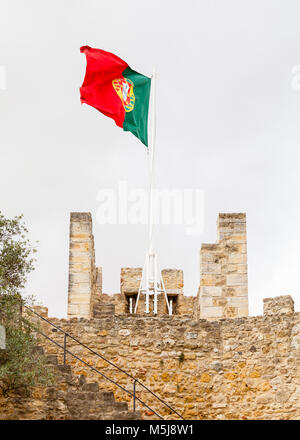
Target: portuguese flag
[117,91]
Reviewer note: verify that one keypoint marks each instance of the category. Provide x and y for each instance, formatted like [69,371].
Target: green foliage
[181,358]
[21,365]
[16,254]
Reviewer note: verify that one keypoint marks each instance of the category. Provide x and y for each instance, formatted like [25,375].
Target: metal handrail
[136,381]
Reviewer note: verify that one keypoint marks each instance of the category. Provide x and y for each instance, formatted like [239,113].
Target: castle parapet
[130,280]
[278,305]
[82,270]
[223,291]
[173,282]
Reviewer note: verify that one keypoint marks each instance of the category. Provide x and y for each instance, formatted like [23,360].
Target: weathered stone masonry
[82,270]
[242,368]
[223,290]
[209,360]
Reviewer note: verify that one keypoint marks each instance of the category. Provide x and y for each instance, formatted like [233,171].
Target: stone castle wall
[223,288]
[242,368]
[82,270]
[173,281]
[209,360]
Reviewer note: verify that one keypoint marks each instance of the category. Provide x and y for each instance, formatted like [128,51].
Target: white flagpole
[151,160]
[150,280]
[150,153]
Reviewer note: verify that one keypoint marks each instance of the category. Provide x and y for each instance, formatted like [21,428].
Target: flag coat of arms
[117,91]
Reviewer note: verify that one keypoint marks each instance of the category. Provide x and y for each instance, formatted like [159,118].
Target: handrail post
[134,387]
[65,347]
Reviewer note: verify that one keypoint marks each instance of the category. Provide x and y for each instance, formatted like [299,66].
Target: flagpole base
[152,285]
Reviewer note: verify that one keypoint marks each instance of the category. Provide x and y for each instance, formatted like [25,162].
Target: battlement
[209,342]
[223,290]
[278,305]
[244,368]
[82,270]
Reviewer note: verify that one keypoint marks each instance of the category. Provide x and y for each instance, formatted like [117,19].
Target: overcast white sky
[228,122]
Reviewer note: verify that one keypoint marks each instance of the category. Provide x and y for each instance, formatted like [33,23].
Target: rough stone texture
[223,291]
[82,270]
[130,280]
[226,366]
[71,397]
[279,304]
[242,368]
[99,280]
[173,281]
[41,310]
[2,338]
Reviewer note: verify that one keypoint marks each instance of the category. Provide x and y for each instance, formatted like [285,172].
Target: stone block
[83,288]
[230,238]
[73,310]
[208,248]
[80,228]
[241,291]
[211,290]
[235,268]
[41,310]
[80,277]
[211,312]
[237,258]
[242,311]
[223,265]
[84,310]
[206,301]
[191,335]
[80,237]
[78,298]
[130,279]
[173,278]
[80,258]
[99,280]
[2,338]
[233,217]
[213,280]
[238,301]
[82,270]
[236,279]
[278,305]
[219,301]
[210,268]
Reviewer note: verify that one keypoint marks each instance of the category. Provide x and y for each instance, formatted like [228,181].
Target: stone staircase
[101,310]
[72,398]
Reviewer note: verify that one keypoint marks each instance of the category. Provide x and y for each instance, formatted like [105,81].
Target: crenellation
[278,305]
[223,290]
[224,271]
[82,271]
[130,279]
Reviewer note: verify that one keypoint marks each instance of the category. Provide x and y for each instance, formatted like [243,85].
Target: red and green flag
[117,91]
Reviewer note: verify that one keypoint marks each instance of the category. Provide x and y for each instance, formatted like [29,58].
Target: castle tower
[223,291]
[82,270]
